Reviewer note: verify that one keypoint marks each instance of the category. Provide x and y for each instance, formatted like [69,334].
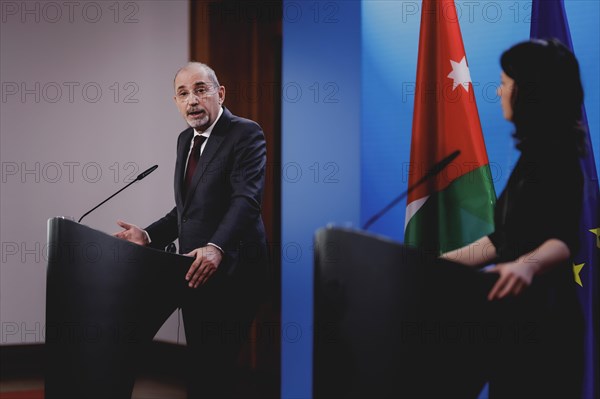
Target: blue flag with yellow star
[549,20]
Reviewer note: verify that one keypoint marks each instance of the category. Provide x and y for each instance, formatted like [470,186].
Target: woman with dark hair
[536,229]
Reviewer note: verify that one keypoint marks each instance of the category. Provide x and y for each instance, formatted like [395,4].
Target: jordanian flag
[456,207]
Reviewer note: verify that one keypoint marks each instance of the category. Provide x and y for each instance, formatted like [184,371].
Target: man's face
[197,97]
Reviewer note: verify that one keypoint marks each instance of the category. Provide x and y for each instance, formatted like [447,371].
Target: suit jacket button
[184,220]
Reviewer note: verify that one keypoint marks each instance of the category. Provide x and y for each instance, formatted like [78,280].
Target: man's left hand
[207,261]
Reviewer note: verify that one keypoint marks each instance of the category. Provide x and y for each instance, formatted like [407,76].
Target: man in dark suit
[219,178]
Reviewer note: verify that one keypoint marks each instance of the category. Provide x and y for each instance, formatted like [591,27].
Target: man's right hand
[132,233]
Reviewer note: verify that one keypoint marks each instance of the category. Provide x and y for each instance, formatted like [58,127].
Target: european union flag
[548,19]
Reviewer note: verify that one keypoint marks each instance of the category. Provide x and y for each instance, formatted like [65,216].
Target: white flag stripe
[413,208]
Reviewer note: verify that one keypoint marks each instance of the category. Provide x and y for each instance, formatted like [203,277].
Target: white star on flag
[460,73]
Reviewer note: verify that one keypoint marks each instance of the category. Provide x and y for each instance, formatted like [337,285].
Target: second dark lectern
[391,321]
[106,298]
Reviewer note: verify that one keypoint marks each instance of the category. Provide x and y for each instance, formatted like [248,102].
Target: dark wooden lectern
[394,322]
[106,298]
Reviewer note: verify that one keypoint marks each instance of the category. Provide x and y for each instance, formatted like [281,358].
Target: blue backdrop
[349,69]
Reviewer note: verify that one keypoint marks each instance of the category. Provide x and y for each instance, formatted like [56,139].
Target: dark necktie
[192,162]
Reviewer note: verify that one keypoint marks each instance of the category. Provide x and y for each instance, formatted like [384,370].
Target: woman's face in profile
[505,92]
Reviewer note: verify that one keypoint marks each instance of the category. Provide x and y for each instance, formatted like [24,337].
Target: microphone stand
[437,168]
[140,177]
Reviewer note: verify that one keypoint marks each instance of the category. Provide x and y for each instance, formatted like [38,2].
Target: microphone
[138,178]
[437,168]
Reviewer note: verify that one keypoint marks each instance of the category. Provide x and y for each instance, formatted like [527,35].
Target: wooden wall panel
[241,41]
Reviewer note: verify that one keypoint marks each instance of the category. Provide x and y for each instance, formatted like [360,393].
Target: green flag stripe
[456,216]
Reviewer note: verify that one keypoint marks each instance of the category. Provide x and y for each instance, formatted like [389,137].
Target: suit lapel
[210,150]
[182,151]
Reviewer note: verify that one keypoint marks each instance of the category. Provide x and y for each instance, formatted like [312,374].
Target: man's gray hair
[209,71]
